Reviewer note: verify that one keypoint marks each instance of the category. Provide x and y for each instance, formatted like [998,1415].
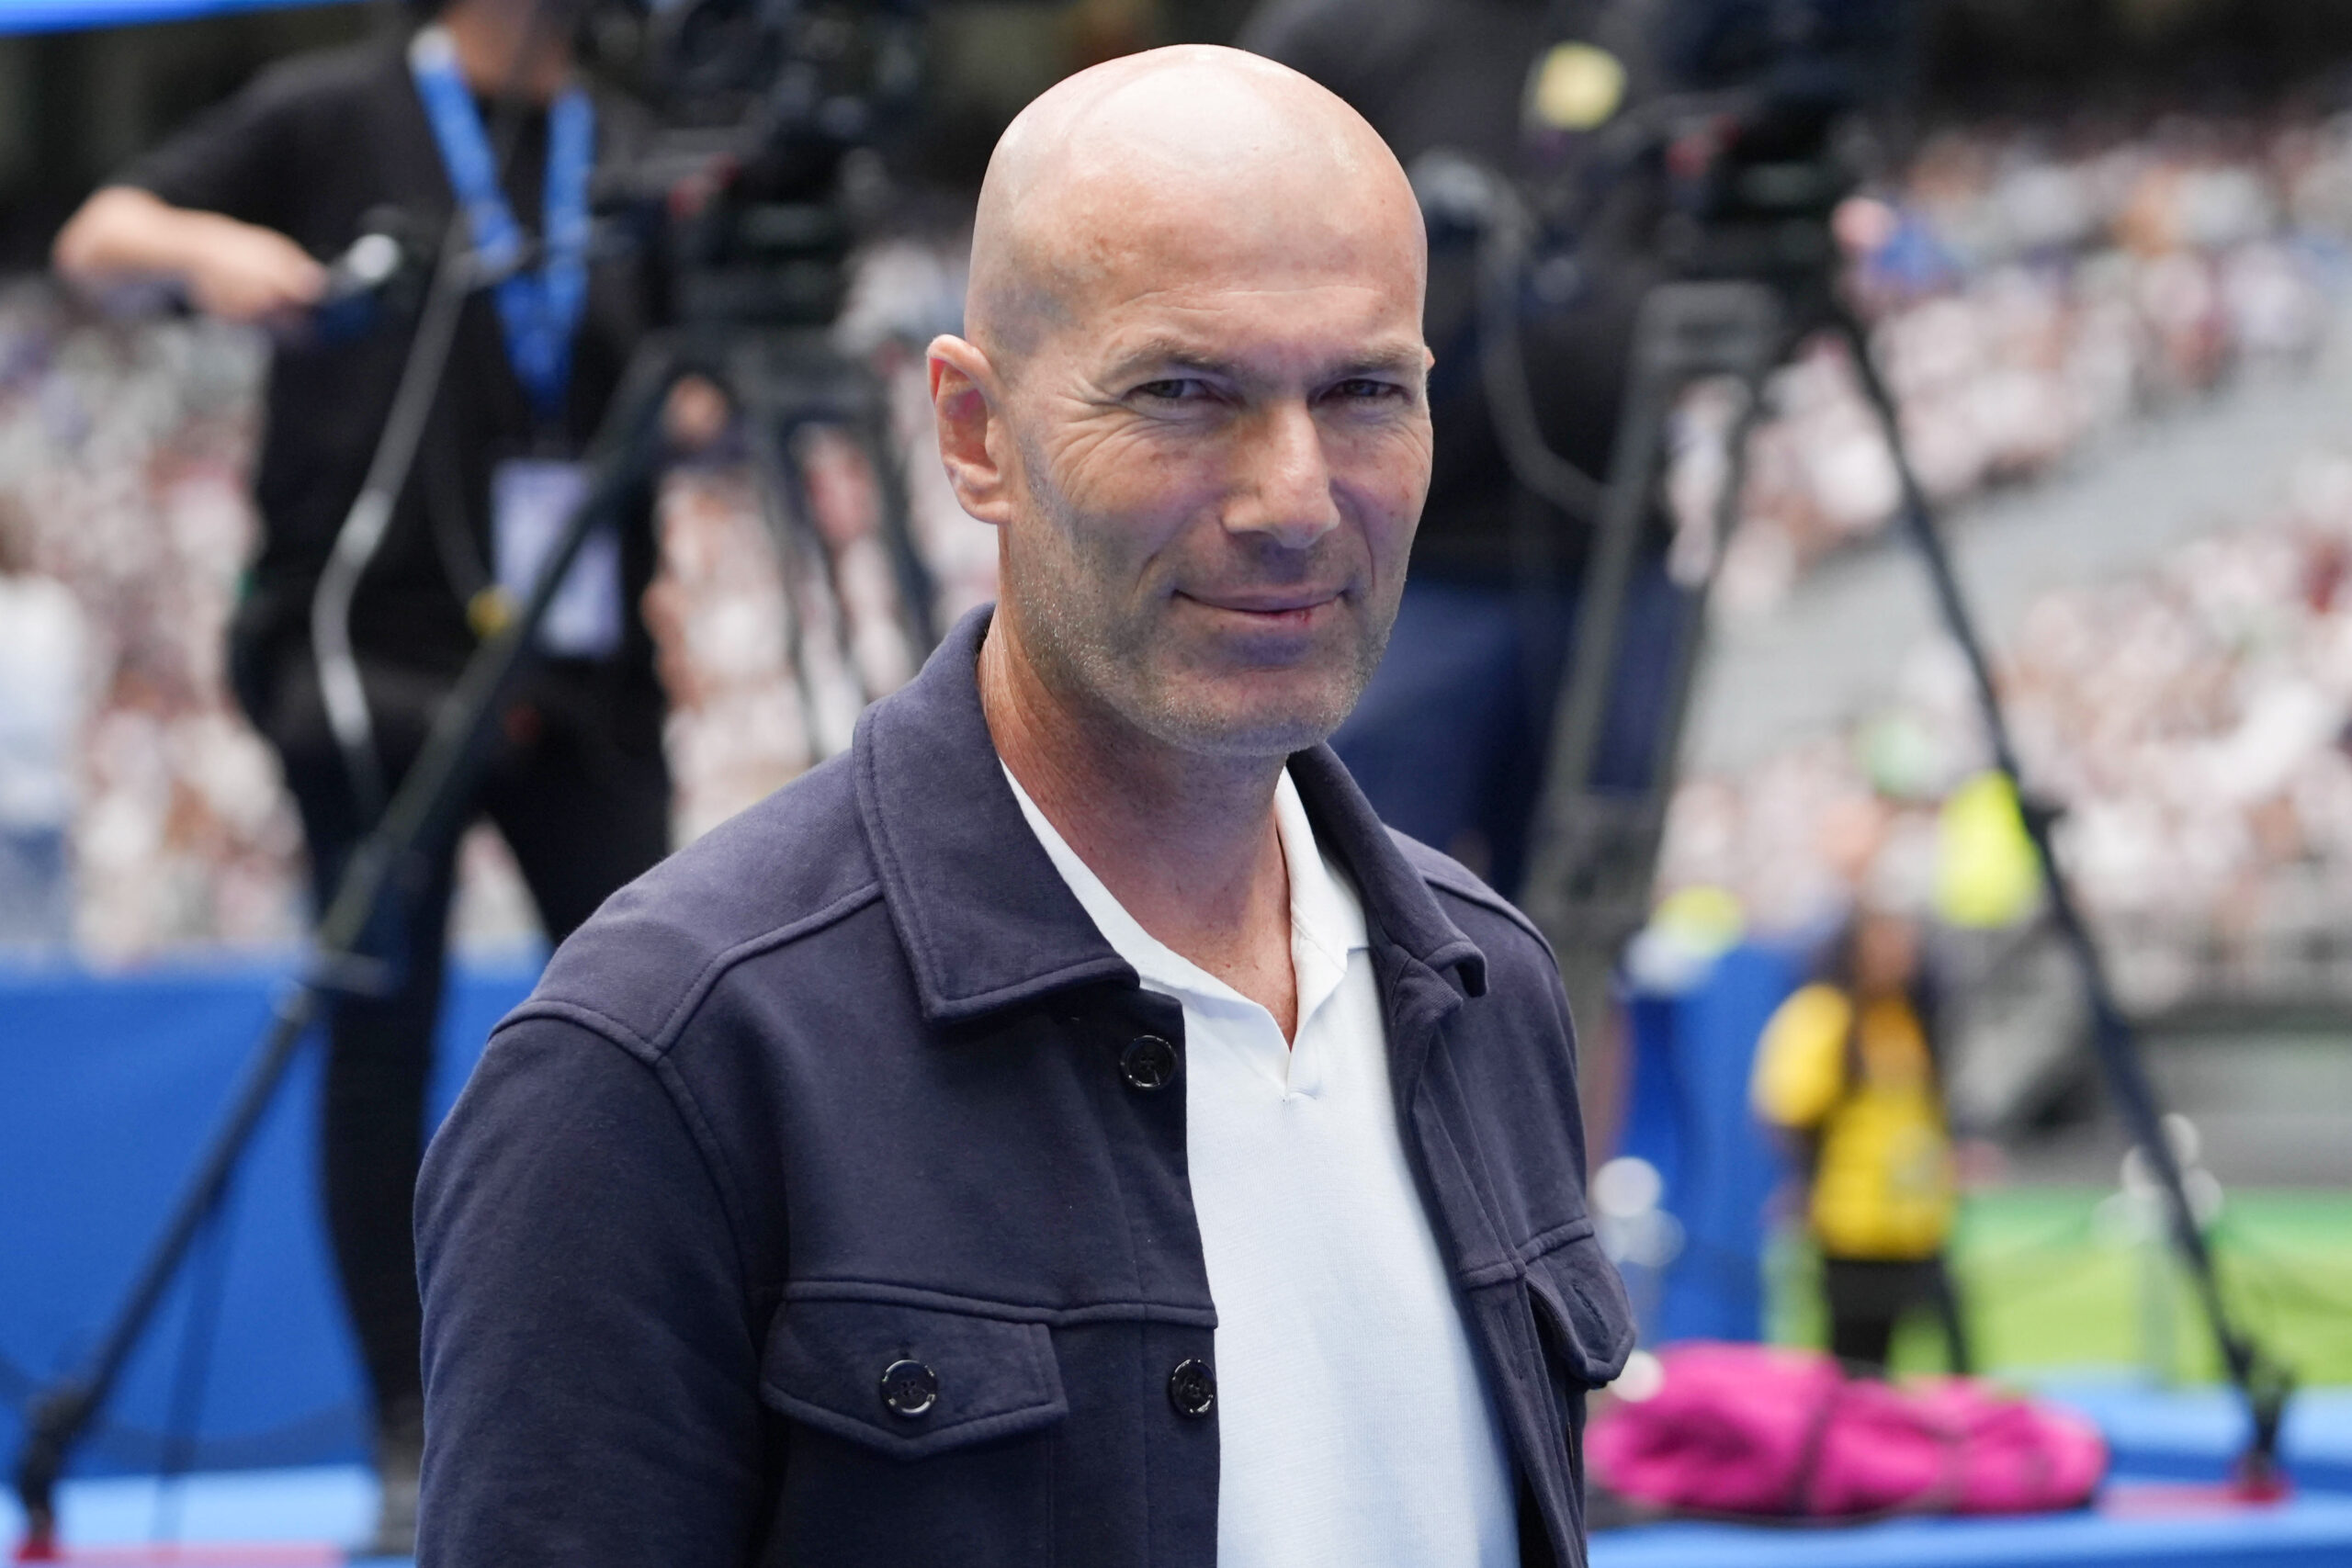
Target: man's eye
[1175,390]
[1365,389]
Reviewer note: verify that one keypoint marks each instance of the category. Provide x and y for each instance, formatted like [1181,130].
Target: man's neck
[511,46]
[1187,844]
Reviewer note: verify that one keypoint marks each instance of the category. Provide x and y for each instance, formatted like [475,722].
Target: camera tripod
[784,382]
[1595,850]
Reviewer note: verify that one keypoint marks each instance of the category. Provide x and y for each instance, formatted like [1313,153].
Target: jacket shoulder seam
[721,1171]
[658,1044]
[613,1031]
[698,990]
[674,1092]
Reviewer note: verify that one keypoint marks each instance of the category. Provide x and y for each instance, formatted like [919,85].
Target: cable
[1457,189]
[454,277]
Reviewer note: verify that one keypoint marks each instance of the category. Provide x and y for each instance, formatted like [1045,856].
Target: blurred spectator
[1848,1068]
[45,669]
[237,215]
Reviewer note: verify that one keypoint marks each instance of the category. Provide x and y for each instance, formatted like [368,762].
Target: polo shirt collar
[1326,922]
[986,920]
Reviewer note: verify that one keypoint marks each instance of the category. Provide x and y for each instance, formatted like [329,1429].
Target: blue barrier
[1687,1114]
[108,1086]
[68,15]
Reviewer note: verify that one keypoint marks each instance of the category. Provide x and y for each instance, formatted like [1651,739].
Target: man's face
[1223,445]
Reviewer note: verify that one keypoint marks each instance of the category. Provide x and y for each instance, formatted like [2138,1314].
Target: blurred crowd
[2031,290]
[140,814]
[124,448]
[2191,720]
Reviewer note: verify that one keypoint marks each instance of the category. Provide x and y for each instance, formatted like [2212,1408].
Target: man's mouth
[1289,607]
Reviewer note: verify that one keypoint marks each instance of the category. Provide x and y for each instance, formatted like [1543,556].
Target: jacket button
[1148,1063]
[1191,1388]
[909,1389]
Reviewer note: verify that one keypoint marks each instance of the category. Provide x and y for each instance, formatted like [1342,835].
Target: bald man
[1068,1129]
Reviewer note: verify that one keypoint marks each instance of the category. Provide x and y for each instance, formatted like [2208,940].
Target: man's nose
[1285,492]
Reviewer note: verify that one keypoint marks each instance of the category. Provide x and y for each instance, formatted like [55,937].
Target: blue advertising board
[66,16]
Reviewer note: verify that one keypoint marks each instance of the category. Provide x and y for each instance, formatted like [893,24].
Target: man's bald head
[1188,154]
[1193,401]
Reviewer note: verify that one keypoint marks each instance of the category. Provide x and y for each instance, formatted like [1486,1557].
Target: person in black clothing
[238,210]
[1450,742]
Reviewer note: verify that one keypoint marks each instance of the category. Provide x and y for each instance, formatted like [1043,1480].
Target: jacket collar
[986,920]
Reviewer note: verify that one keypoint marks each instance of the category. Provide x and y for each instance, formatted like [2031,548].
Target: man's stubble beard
[1098,653]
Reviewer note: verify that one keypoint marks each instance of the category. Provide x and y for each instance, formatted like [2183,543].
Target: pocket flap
[973,1378]
[1581,1304]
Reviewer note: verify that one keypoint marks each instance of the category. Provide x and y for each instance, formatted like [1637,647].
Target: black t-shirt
[310,148]
[1453,74]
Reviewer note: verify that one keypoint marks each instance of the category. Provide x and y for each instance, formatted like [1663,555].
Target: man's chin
[1243,729]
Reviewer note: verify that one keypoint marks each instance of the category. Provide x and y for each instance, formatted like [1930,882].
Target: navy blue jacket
[842,1086]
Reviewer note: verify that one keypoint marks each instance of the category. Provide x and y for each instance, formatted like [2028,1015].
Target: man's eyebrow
[1176,354]
[1170,354]
[1403,359]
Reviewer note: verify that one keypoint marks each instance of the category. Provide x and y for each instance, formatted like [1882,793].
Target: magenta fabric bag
[1754,1431]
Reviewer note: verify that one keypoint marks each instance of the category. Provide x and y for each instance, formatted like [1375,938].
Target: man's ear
[966,405]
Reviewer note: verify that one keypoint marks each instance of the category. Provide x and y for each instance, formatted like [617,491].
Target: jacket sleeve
[591,1362]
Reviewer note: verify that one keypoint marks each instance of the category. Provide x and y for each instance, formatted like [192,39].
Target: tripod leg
[62,1413]
[784,509]
[877,436]
[1664,761]
[1641,446]
[2263,1383]
[441,775]
[1583,887]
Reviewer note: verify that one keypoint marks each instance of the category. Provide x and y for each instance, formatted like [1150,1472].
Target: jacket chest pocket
[915,1435]
[1586,1326]
[1583,1332]
[1586,1322]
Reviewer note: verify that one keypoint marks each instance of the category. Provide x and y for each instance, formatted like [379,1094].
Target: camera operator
[1450,739]
[483,105]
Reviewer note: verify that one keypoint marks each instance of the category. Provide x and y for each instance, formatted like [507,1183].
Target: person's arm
[209,211]
[124,236]
[590,1358]
[1801,1061]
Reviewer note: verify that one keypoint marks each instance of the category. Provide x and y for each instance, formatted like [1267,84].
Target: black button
[1192,1388]
[1148,1063]
[909,1389]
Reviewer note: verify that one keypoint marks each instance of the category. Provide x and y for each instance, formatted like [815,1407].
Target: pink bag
[1753,1431]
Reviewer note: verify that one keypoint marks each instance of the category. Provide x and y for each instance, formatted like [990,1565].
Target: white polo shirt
[1355,1424]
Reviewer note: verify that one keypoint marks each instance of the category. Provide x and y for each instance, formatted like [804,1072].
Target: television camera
[771,116]
[1743,126]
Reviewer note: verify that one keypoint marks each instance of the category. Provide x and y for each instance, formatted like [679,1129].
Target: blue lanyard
[541,311]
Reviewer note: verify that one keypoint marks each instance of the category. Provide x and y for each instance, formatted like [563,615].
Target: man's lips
[1291,604]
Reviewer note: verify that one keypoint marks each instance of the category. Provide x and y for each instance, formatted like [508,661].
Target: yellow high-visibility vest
[1882,1187]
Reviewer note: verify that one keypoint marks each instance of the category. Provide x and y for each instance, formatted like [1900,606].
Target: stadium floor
[292,1519]
[2165,1442]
